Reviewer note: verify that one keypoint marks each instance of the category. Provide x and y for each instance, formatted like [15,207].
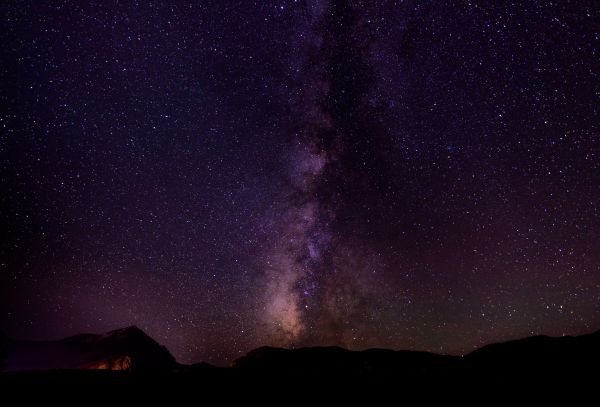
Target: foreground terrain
[127,361]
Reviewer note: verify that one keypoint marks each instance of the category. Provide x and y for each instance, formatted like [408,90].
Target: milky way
[227,175]
[319,281]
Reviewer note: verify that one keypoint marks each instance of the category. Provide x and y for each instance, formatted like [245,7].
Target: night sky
[230,174]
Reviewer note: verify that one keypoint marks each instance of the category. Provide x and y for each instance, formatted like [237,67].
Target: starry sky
[230,174]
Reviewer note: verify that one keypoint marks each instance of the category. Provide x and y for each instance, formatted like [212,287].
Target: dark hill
[122,349]
[539,356]
[339,361]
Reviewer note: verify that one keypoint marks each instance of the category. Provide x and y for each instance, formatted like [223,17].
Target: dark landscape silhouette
[129,359]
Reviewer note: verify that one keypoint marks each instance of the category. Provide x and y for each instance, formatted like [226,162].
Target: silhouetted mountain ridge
[538,356]
[543,354]
[132,350]
[121,349]
[333,359]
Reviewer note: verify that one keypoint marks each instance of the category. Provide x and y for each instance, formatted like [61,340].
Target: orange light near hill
[121,363]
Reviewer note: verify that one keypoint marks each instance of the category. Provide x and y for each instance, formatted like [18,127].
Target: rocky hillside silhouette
[122,349]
